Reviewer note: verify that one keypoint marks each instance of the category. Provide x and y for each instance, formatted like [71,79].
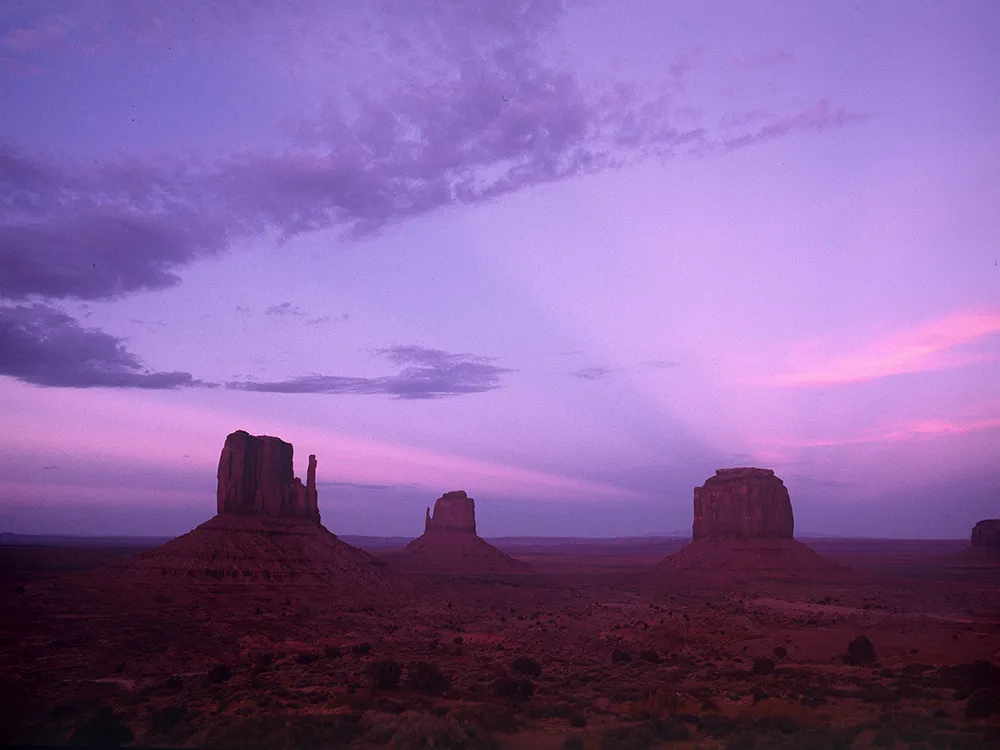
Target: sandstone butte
[985,543]
[986,535]
[450,543]
[267,529]
[743,526]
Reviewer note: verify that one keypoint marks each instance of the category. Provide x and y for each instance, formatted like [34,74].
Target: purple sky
[569,257]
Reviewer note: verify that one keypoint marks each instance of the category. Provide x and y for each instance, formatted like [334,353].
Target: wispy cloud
[486,112]
[44,346]
[425,374]
[933,346]
[284,309]
[904,432]
[598,372]
[661,364]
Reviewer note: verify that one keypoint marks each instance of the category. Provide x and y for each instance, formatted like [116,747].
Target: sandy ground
[595,647]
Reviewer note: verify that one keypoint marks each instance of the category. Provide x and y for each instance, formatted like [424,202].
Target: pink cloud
[929,347]
[131,429]
[912,431]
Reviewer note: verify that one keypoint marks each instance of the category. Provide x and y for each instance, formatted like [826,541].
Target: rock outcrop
[453,511]
[256,477]
[986,535]
[267,530]
[743,503]
[450,544]
[743,528]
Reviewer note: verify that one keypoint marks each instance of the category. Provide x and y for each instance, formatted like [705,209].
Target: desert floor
[596,648]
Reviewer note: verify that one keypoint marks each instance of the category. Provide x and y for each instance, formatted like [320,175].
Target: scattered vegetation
[527,667]
[384,673]
[219,673]
[860,651]
[762,665]
[514,689]
[427,678]
[618,656]
[105,729]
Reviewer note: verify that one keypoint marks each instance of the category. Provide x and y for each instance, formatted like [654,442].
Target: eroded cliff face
[256,477]
[454,511]
[742,503]
[986,535]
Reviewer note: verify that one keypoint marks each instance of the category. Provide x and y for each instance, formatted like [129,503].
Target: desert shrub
[332,652]
[741,741]
[970,677]
[428,731]
[577,720]
[718,726]
[306,658]
[427,678]
[573,742]
[105,729]
[489,717]
[166,719]
[629,737]
[174,682]
[618,656]
[284,730]
[651,656]
[384,673]
[875,694]
[514,689]
[527,667]
[783,724]
[884,738]
[860,651]
[780,652]
[361,649]
[219,673]
[548,710]
[673,730]
[982,704]
[762,665]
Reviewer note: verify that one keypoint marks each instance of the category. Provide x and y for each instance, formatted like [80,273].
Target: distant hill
[64,540]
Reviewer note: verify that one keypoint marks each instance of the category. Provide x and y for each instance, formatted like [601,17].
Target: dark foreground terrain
[595,648]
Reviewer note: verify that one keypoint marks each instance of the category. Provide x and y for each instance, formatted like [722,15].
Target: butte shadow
[451,545]
[743,528]
[267,529]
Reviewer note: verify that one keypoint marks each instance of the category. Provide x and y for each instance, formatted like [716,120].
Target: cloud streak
[44,346]
[933,346]
[475,110]
[912,431]
[425,374]
[598,372]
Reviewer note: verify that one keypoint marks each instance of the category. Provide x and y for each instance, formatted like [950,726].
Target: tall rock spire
[256,477]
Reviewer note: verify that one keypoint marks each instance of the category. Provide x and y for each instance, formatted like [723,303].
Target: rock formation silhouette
[986,535]
[453,511]
[267,528]
[743,527]
[450,542]
[743,503]
[256,476]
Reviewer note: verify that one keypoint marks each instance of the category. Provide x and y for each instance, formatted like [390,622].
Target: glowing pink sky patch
[929,347]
